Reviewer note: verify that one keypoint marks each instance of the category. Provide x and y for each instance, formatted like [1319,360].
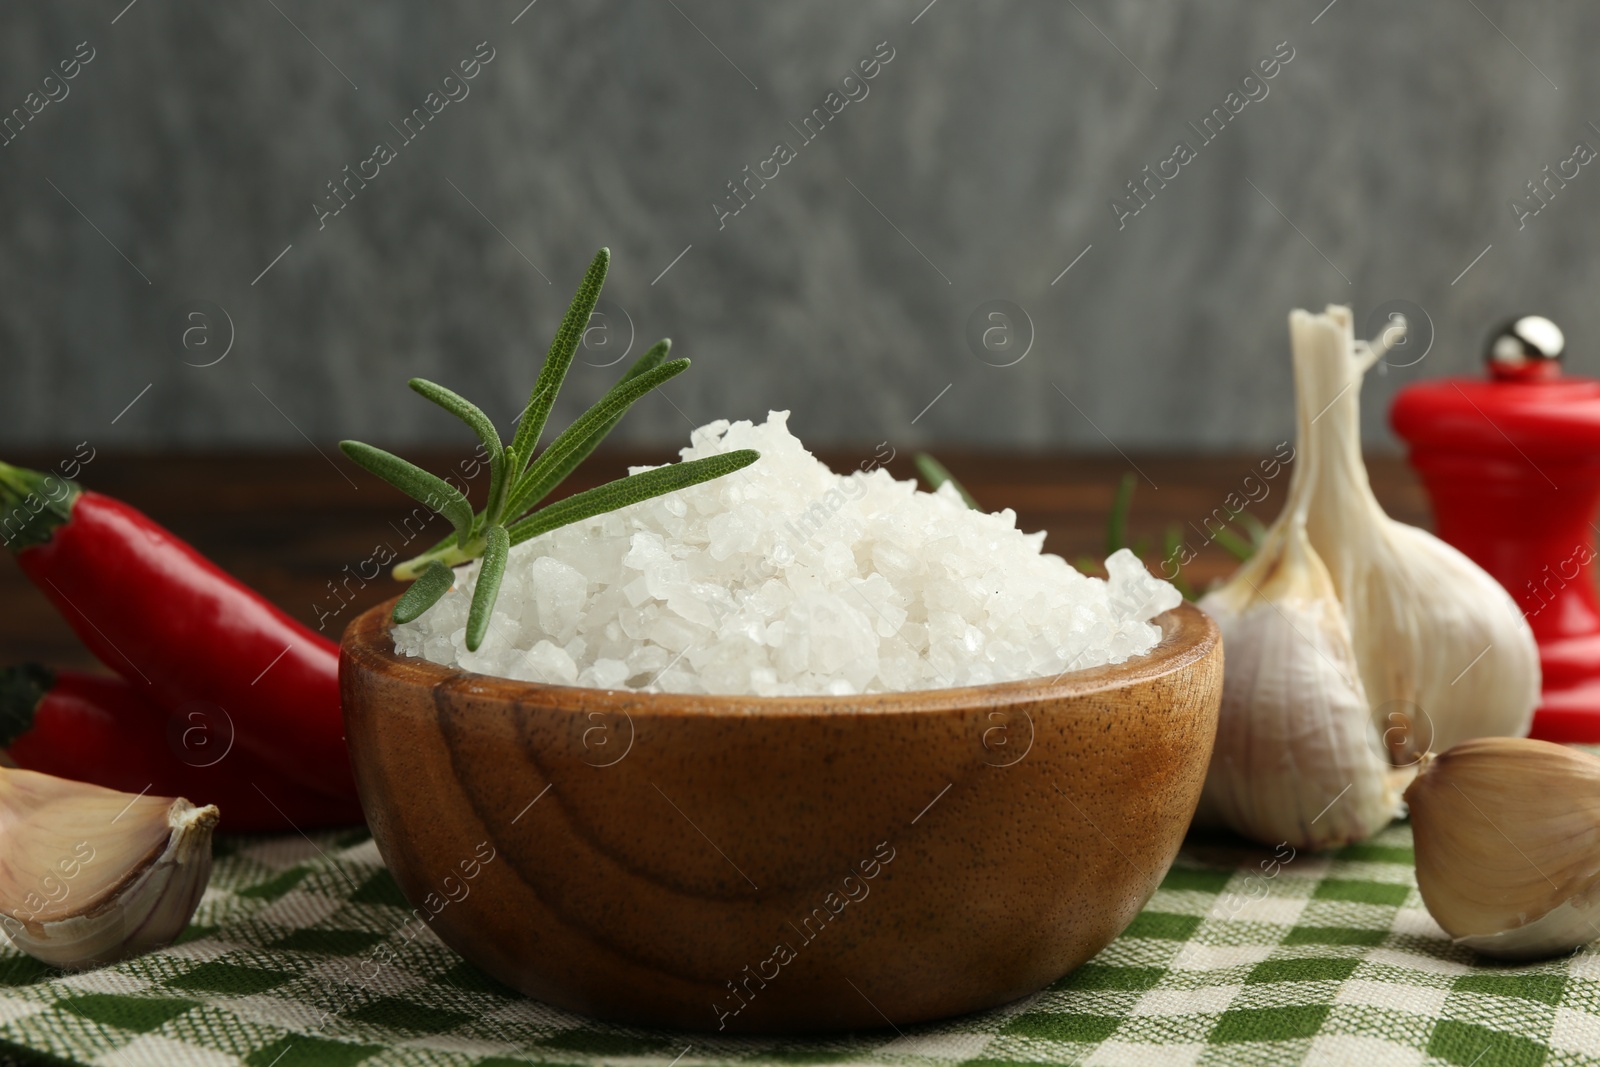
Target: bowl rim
[1189,635]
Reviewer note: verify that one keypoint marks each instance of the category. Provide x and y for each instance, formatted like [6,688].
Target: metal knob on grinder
[1512,464]
[1525,348]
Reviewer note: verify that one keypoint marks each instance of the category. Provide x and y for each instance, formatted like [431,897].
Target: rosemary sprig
[519,480]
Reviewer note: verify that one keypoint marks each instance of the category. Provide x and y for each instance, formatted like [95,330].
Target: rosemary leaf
[652,358]
[500,489]
[465,410]
[559,358]
[934,473]
[537,491]
[1117,523]
[480,424]
[608,409]
[1237,547]
[493,569]
[429,489]
[1255,527]
[424,593]
[629,490]
[1172,550]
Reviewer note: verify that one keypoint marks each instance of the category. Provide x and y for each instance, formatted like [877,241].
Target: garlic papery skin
[1296,758]
[91,875]
[1431,629]
[1507,838]
[1560,930]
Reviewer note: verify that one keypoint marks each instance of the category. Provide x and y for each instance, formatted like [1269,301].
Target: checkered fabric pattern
[1243,956]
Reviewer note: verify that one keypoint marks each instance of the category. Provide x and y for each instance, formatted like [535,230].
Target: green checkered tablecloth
[1241,957]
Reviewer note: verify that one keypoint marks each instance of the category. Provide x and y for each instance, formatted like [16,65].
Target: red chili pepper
[178,628]
[100,730]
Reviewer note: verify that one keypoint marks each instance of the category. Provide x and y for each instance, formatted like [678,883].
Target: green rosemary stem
[451,555]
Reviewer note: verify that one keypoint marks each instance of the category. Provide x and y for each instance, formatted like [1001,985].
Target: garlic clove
[1507,839]
[1430,611]
[1296,758]
[1558,931]
[91,875]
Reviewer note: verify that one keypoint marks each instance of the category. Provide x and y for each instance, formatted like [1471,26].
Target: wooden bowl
[775,864]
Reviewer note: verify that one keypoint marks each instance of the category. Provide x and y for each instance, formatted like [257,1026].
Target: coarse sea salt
[787,579]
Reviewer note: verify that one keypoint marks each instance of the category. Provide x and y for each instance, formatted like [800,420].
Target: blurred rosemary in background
[1240,545]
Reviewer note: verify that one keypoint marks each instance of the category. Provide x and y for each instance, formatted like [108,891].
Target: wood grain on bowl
[776,864]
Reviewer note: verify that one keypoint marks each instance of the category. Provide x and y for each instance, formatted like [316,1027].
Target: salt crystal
[788,579]
[559,592]
[637,591]
[671,632]
[606,674]
[550,664]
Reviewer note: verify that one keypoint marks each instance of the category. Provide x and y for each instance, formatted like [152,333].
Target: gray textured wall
[189,152]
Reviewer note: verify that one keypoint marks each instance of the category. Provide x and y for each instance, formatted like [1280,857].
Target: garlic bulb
[1296,758]
[90,875]
[1347,633]
[1507,834]
[1432,629]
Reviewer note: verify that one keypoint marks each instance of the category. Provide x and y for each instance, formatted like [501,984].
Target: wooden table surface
[294,525]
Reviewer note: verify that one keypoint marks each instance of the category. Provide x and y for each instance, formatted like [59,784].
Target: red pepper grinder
[1512,463]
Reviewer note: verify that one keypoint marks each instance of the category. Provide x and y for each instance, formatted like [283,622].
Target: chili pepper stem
[451,555]
[32,505]
[21,689]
